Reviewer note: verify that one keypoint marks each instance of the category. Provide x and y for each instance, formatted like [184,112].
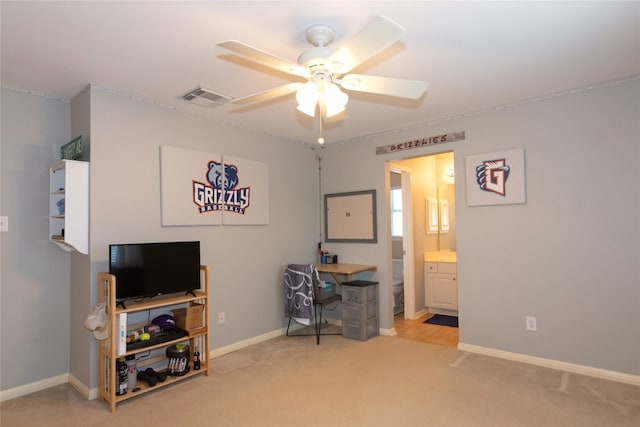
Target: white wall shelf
[69,205]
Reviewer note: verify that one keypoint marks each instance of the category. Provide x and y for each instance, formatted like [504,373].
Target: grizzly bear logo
[214,176]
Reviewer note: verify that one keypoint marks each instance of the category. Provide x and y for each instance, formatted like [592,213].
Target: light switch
[4,223]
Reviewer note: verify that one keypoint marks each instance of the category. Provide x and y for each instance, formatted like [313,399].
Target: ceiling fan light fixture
[309,110]
[334,100]
[307,98]
[333,109]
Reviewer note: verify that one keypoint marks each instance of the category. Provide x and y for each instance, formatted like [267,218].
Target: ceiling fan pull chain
[320,116]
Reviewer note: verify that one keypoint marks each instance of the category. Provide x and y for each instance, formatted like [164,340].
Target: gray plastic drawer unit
[360,330]
[355,291]
[360,309]
[359,312]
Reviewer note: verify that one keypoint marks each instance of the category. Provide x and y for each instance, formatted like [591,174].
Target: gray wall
[568,256]
[246,262]
[82,365]
[34,278]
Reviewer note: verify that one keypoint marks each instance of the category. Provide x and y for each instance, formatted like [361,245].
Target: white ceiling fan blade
[269,94]
[372,39]
[265,58]
[412,89]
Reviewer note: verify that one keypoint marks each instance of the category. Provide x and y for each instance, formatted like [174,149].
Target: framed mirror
[350,217]
[444,216]
[432,215]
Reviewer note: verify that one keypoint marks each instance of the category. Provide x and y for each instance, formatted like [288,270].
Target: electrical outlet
[532,324]
[221,318]
[4,223]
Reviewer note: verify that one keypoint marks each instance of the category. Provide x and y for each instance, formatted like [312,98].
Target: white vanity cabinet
[441,285]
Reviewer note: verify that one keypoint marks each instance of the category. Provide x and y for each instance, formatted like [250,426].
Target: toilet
[398,286]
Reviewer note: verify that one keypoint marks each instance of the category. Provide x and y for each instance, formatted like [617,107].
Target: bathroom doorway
[430,182]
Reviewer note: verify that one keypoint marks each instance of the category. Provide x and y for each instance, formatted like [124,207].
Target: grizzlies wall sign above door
[201,188]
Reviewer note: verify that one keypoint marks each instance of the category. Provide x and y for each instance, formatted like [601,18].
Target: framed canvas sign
[496,178]
[201,188]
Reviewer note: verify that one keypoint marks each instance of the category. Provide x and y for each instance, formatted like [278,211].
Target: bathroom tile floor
[415,330]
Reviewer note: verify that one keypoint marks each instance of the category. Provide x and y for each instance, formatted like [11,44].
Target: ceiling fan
[325,69]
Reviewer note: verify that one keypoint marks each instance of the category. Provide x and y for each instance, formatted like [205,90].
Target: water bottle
[196,360]
[121,377]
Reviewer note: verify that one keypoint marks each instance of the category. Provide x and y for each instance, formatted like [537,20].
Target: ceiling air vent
[206,97]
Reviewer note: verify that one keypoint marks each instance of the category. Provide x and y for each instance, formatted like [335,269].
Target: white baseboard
[553,364]
[443,311]
[23,390]
[89,393]
[388,332]
[33,387]
[269,335]
[246,343]
[420,313]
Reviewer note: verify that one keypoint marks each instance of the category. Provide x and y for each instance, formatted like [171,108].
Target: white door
[407,242]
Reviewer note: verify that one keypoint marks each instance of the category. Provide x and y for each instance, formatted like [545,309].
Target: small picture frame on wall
[496,178]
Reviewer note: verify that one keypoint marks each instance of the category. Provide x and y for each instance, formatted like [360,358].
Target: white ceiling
[475,55]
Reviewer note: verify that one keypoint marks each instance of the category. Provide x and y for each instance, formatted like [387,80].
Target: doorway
[427,181]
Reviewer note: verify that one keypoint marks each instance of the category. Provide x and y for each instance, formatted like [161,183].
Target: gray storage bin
[359,294]
[360,309]
[360,330]
[359,312]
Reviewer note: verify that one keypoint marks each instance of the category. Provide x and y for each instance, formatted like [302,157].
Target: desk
[347,270]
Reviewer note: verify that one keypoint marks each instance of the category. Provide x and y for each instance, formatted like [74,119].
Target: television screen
[152,269]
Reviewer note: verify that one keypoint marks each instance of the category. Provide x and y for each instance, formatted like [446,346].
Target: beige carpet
[386,381]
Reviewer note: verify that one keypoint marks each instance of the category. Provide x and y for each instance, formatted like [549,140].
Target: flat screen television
[145,270]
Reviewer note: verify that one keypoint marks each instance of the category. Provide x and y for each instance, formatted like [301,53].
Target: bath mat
[441,319]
